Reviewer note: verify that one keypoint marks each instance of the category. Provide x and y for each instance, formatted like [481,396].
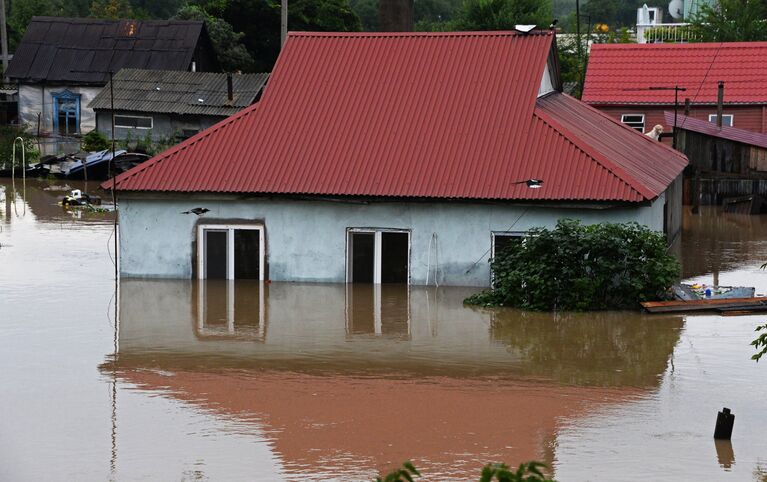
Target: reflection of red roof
[621,73]
[419,115]
[725,132]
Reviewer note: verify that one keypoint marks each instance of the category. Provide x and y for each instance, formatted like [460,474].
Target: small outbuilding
[165,104]
[391,158]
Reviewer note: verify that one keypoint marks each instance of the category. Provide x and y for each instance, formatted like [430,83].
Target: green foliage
[731,21]
[760,344]
[111,9]
[95,141]
[8,134]
[577,267]
[671,34]
[230,51]
[529,472]
[615,13]
[259,20]
[500,14]
[406,473]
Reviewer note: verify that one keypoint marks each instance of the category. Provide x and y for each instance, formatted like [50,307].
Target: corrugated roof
[622,73]
[725,132]
[84,50]
[179,92]
[434,115]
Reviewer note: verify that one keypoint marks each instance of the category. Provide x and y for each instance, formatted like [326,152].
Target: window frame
[377,232]
[712,119]
[56,100]
[626,123]
[204,332]
[151,122]
[229,228]
[509,234]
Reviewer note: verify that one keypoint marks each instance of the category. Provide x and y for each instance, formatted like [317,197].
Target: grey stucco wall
[306,240]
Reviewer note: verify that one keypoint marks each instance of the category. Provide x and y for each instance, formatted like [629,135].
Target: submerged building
[391,157]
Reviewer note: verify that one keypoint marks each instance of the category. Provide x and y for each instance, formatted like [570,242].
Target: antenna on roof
[524,28]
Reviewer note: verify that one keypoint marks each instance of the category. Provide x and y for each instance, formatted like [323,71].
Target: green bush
[577,267]
[95,141]
[8,135]
[526,472]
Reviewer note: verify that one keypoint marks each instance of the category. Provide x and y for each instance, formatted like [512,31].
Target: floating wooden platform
[721,304]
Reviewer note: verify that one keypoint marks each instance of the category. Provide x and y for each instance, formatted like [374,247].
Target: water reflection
[725,455]
[388,329]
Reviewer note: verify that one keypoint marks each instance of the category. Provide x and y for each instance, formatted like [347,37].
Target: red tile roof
[725,132]
[622,73]
[417,115]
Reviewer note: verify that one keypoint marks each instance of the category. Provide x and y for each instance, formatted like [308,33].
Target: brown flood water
[246,381]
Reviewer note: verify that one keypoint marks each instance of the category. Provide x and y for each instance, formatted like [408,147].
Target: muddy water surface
[252,381]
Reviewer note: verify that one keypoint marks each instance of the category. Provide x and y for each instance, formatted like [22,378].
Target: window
[378,256]
[502,239]
[66,112]
[133,122]
[726,119]
[635,121]
[230,252]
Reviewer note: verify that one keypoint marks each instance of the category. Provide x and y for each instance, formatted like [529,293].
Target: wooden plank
[700,305]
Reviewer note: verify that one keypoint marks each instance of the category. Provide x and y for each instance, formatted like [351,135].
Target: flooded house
[635,83]
[391,158]
[61,64]
[171,104]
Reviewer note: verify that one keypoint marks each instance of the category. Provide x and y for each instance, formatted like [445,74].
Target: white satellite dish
[676,9]
[524,28]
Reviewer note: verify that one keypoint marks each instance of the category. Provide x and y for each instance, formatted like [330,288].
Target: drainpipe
[719,104]
[229,87]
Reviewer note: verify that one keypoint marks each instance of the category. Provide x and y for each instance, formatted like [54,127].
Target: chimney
[229,87]
[719,104]
[687,106]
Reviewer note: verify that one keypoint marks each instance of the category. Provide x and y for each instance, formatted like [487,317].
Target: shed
[397,157]
[171,104]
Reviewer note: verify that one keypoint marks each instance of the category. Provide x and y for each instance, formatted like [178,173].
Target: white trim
[151,121]
[712,119]
[510,234]
[377,244]
[630,123]
[229,228]
[231,328]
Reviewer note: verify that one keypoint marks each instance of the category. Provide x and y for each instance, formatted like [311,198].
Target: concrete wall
[36,99]
[164,125]
[306,240]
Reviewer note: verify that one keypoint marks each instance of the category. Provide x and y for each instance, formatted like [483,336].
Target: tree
[230,52]
[259,20]
[501,14]
[731,21]
[112,9]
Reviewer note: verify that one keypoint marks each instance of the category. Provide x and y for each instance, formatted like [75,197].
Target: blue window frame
[66,112]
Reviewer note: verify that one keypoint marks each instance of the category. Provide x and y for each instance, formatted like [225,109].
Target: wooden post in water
[696,190]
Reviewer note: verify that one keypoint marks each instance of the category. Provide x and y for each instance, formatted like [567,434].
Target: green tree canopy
[230,51]
[731,21]
[113,9]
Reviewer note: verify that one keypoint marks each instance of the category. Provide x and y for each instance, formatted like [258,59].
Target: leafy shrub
[577,267]
[8,135]
[95,141]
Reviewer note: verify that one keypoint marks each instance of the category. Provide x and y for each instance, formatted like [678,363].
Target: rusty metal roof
[418,115]
[84,50]
[179,92]
[725,132]
[623,73]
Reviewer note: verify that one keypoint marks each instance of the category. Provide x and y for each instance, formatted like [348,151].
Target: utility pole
[676,90]
[578,31]
[283,22]
[3,38]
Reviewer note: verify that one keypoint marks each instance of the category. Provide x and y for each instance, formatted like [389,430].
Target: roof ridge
[466,33]
[602,160]
[115,182]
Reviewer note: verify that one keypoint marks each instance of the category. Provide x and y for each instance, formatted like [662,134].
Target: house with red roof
[634,83]
[391,158]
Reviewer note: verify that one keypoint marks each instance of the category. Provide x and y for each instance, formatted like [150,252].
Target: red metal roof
[622,73]
[725,132]
[426,115]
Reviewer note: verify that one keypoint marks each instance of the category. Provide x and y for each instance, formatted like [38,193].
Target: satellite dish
[524,28]
[676,9]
